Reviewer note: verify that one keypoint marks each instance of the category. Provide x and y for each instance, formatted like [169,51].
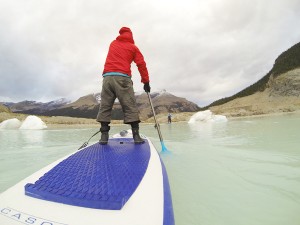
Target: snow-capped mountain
[88,106]
[33,107]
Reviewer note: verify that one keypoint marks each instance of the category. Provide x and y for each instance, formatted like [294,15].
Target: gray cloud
[200,50]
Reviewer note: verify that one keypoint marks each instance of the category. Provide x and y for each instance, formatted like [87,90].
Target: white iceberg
[33,123]
[207,116]
[10,124]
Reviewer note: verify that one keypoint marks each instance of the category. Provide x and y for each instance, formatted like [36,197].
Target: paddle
[163,147]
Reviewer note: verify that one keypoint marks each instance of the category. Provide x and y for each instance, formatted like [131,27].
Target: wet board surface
[99,176]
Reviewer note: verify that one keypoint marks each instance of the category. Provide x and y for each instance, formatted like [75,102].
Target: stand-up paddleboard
[118,183]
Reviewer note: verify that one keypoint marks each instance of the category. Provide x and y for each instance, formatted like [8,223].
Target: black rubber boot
[104,133]
[136,136]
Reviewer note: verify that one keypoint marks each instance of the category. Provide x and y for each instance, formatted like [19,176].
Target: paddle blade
[164,148]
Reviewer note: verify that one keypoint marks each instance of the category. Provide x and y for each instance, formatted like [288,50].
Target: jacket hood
[125,35]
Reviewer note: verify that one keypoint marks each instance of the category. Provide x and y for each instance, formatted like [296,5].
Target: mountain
[85,107]
[33,107]
[88,106]
[164,102]
[3,108]
[277,91]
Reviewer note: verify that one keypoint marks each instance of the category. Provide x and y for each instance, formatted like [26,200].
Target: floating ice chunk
[203,116]
[33,123]
[10,124]
[219,118]
[207,116]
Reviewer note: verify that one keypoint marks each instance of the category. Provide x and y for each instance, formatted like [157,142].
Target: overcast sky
[196,49]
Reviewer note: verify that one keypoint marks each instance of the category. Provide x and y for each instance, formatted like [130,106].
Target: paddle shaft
[87,142]
[156,123]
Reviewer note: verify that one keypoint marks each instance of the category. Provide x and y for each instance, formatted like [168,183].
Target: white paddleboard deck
[120,183]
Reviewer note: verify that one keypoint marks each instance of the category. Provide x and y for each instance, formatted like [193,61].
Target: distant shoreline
[265,115]
[73,122]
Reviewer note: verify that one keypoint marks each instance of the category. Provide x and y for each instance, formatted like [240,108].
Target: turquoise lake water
[243,172]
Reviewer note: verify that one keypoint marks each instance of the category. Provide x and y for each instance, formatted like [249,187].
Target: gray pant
[118,87]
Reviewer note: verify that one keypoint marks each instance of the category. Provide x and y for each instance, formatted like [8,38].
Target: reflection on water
[243,172]
[32,137]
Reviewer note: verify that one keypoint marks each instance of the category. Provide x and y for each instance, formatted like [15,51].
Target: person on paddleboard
[169,118]
[117,83]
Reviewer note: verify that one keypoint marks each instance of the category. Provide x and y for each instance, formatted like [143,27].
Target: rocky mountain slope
[33,107]
[87,106]
[164,102]
[277,91]
[5,109]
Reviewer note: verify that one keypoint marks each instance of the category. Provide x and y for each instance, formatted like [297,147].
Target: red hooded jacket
[122,52]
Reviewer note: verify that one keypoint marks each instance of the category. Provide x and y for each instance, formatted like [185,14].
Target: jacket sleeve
[141,64]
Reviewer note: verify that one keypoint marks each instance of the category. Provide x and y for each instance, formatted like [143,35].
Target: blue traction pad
[99,176]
